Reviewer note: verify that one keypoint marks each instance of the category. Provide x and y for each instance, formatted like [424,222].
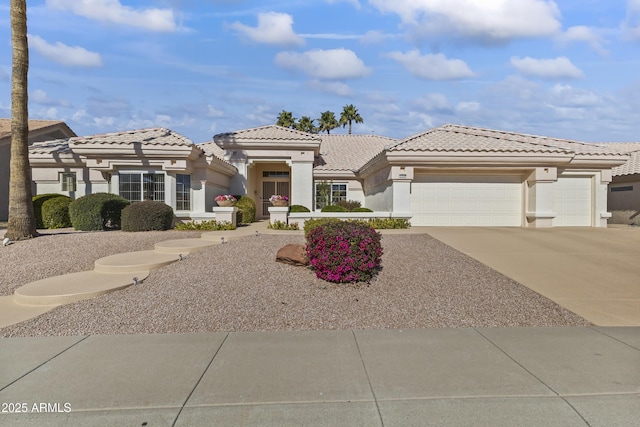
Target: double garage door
[493,200]
[472,200]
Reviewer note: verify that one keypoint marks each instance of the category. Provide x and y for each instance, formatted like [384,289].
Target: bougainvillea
[344,252]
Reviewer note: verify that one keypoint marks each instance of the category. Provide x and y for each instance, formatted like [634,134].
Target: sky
[565,69]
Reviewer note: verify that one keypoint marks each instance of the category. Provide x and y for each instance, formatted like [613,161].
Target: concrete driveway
[594,272]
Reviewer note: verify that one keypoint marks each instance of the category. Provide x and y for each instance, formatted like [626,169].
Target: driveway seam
[199,379]
[366,372]
[594,328]
[45,362]
[516,362]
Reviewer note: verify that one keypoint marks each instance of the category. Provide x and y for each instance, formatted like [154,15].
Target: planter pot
[280,203]
[226,203]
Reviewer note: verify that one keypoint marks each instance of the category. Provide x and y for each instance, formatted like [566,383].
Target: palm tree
[327,121]
[286,119]
[305,124]
[22,223]
[349,115]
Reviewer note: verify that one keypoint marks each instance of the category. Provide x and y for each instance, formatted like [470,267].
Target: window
[183,192]
[328,193]
[136,187]
[275,174]
[68,181]
[625,188]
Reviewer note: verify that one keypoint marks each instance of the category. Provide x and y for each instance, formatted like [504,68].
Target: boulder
[292,254]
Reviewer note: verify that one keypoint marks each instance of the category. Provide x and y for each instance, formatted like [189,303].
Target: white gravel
[238,286]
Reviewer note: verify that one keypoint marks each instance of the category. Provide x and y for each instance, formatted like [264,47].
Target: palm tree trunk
[22,223]
[349,127]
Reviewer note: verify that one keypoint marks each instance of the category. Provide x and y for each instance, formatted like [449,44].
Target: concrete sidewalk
[440,377]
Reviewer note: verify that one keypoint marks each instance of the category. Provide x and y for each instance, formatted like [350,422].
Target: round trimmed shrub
[147,216]
[344,251]
[37,206]
[55,212]
[298,208]
[99,211]
[248,208]
[334,208]
[350,205]
[360,209]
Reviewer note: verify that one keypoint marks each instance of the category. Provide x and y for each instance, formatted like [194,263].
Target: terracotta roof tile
[349,152]
[152,136]
[212,149]
[266,133]
[34,124]
[464,138]
[58,146]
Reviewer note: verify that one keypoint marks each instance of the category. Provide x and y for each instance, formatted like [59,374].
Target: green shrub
[310,224]
[55,212]
[211,225]
[281,225]
[147,216]
[298,208]
[37,206]
[344,251]
[248,208]
[349,205]
[334,208]
[99,211]
[389,223]
[360,209]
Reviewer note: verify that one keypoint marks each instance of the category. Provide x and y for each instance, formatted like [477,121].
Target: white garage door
[572,201]
[466,200]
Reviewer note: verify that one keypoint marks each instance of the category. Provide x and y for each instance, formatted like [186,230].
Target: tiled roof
[266,133]
[212,149]
[632,166]
[349,152]
[58,146]
[470,139]
[153,136]
[5,125]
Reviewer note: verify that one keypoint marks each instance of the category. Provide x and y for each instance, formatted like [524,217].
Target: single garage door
[572,201]
[471,200]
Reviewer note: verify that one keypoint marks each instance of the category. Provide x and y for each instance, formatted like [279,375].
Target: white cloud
[112,11]
[432,66]
[486,21]
[583,34]
[558,68]
[41,97]
[433,102]
[336,88]
[375,37]
[213,112]
[568,96]
[355,3]
[467,107]
[273,28]
[631,25]
[71,56]
[331,64]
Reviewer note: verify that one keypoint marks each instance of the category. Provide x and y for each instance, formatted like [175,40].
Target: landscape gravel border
[238,286]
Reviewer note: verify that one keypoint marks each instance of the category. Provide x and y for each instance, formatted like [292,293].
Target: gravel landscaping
[238,286]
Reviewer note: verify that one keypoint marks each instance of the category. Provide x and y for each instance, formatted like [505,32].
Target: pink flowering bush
[225,198]
[344,251]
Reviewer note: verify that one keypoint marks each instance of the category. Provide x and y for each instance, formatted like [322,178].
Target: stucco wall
[625,205]
[380,198]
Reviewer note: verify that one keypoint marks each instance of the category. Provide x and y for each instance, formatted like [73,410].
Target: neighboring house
[624,191]
[39,130]
[450,175]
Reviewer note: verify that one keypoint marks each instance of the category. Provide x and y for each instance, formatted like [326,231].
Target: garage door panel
[572,201]
[467,200]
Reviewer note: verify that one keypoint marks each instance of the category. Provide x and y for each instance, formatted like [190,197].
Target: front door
[269,188]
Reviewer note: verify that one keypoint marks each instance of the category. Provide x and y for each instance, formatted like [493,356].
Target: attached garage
[573,201]
[466,200]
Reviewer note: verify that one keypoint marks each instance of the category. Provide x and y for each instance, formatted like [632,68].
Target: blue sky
[567,69]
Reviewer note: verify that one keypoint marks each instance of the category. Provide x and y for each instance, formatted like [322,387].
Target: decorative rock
[292,254]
